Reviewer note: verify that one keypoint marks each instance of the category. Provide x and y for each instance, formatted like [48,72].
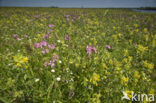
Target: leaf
[3,100]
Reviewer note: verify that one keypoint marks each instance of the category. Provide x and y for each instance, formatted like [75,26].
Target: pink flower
[67,19]
[108,47]
[52,61]
[50,30]
[45,64]
[15,36]
[52,46]
[43,43]
[37,45]
[46,36]
[51,25]
[55,58]
[67,37]
[66,16]
[45,51]
[52,65]
[90,49]
[94,50]
[19,39]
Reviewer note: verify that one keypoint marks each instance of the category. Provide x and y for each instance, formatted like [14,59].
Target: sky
[80,3]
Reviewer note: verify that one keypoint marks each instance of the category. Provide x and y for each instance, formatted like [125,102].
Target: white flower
[60,61]
[58,41]
[67,69]
[18,50]
[72,79]
[58,79]
[52,70]
[37,79]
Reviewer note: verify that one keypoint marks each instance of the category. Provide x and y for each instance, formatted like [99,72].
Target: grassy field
[54,55]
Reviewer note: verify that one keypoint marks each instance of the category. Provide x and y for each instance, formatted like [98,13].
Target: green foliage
[124,59]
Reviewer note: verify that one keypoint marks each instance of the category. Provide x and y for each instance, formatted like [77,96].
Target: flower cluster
[52,61]
[90,49]
[20,60]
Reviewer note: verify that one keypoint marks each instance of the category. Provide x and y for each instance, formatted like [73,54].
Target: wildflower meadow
[56,55]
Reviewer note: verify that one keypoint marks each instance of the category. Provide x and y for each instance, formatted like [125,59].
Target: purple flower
[67,37]
[94,50]
[90,49]
[67,19]
[15,36]
[43,43]
[52,65]
[37,45]
[19,39]
[55,58]
[66,16]
[52,46]
[45,64]
[52,61]
[46,36]
[51,25]
[45,51]
[108,47]
[50,30]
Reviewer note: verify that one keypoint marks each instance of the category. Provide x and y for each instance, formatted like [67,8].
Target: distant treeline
[54,7]
[147,8]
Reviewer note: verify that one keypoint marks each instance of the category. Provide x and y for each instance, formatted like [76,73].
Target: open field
[53,55]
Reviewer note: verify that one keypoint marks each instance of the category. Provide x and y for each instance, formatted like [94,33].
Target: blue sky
[79,3]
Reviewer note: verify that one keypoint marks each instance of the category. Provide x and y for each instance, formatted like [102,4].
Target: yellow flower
[129,93]
[71,61]
[126,52]
[145,30]
[151,91]
[120,35]
[104,66]
[136,75]
[18,65]
[136,25]
[125,60]
[26,67]
[146,37]
[114,27]
[95,78]
[125,79]
[148,65]
[25,59]
[131,33]
[111,62]
[38,35]
[115,38]
[26,20]
[141,49]
[20,59]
